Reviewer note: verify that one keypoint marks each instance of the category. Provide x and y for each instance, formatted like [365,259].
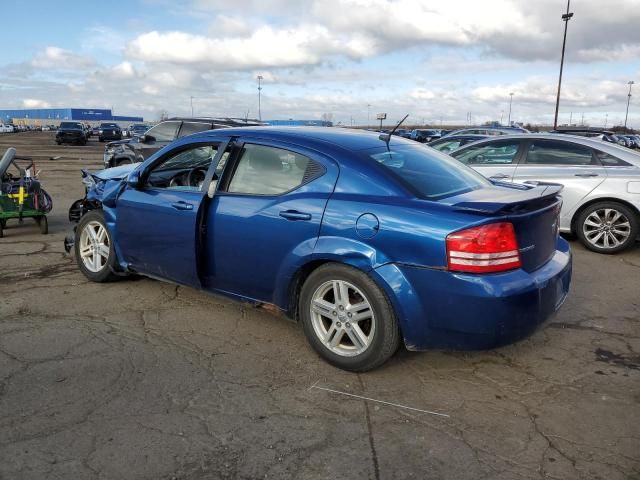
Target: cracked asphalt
[140,379]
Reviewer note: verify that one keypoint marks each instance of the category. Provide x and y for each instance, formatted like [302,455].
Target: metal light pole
[259,97]
[368,114]
[565,18]
[626,115]
[510,102]
[606,119]
[191,99]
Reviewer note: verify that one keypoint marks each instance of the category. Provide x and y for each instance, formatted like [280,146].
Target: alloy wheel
[342,318]
[606,228]
[94,246]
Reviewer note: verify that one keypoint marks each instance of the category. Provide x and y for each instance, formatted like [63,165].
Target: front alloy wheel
[607,227]
[347,318]
[93,248]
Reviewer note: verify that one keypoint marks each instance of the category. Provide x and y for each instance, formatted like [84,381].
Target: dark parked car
[95,131]
[424,136]
[109,131]
[71,132]
[450,143]
[139,148]
[367,242]
[138,129]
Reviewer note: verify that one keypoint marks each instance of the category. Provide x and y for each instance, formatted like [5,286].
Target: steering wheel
[195,177]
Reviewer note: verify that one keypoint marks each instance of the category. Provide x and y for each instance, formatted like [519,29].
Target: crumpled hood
[116,173]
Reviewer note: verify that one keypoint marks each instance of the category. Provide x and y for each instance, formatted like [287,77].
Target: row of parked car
[78,133]
[11,128]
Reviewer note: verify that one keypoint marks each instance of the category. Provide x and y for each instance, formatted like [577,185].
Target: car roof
[347,138]
[230,120]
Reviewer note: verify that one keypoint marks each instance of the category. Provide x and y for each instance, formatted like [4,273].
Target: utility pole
[565,18]
[570,118]
[260,77]
[191,99]
[510,102]
[606,119]
[626,115]
[368,114]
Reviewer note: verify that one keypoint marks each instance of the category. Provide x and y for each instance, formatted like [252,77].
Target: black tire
[627,212]
[386,336]
[43,223]
[105,274]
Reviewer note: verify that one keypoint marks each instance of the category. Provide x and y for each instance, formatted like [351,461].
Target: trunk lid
[532,209]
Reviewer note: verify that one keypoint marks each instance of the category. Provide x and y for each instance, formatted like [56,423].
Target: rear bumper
[441,309]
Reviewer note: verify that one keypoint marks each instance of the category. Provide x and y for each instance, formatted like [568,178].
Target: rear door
[265,217]
[559,161]
[495,160]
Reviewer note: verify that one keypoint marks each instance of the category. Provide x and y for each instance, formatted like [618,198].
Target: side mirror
[133,180]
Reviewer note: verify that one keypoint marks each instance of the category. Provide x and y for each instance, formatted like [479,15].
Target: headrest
[7,158]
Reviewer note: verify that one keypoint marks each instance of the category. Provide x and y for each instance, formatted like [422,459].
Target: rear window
[71,125]
[427,173]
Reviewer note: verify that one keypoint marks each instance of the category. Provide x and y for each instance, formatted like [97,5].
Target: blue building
[54,116]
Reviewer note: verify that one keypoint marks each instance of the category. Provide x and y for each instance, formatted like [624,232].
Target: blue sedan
[367,240]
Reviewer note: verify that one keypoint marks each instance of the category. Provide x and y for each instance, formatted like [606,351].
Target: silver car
[601,195]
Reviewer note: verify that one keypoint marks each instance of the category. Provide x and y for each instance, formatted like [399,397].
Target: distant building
[300,123]
[53,116]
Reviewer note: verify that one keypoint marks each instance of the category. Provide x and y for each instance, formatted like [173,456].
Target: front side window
[427,173]
[164,132]
[263,170]
[494,153]
[185,170]
[553,152]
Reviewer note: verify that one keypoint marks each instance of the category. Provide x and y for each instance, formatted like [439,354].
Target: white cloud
[123,70]
[35,103]
[56,58]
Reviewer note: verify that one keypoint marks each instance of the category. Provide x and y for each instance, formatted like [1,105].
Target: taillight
[487,248]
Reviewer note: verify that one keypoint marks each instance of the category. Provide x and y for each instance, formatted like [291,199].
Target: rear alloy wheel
[607,227]
[347,318]
[93,248]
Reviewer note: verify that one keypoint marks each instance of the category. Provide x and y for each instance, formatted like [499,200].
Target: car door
[561,161]
[157,225]
[495,159]
[156,138]
[265,217]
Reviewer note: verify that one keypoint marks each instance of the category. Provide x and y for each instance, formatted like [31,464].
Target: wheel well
[600,200]
[296,285]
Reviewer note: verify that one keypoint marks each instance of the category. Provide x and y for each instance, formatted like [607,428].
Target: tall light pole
[368,114]
[191,99]
[626,115]
[510,102]
[259,97]
[606,119]
[565,18]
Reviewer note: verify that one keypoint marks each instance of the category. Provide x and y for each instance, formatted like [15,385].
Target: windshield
[109,125]
[71,126]
[427,173]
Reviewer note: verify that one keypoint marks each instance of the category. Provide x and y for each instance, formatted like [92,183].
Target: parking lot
[143,379]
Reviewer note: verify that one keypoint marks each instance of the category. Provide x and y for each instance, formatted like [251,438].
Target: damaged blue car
[369,241]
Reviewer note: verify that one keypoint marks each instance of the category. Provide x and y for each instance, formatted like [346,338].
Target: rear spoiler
[514,199]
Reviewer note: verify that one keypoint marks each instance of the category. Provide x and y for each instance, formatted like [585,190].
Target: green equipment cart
[21,195]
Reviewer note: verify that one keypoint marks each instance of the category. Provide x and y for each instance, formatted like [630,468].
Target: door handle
[586,174]
[499,176]
[182,205]
[295,215]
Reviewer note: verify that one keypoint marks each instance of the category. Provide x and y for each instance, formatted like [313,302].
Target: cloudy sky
[435,60]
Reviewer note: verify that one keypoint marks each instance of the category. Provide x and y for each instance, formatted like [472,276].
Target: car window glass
[610,161]
[448,146]
[193,127]
[494,153]
[265,170]
[164,132]
[550,152]
[184,170]
[427,173]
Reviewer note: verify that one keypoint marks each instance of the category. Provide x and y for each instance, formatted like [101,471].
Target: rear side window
[610,161]
[263,170]
[193,127]
[551,152]
[427,173]
[449,145]
[501,152]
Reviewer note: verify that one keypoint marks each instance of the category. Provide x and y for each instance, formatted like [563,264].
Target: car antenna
[386,137]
